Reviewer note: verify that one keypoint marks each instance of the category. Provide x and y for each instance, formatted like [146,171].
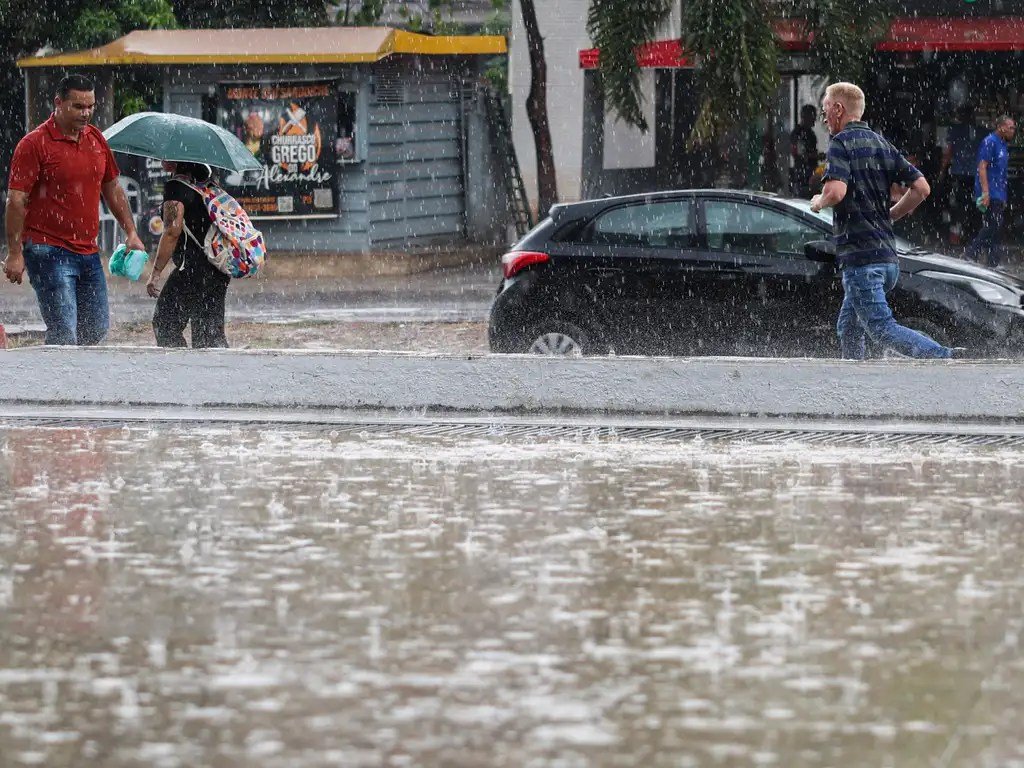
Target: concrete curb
[513,383]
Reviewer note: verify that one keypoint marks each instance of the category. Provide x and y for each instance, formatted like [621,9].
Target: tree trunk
[537,111]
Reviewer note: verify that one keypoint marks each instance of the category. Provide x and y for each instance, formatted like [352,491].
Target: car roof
[586,208]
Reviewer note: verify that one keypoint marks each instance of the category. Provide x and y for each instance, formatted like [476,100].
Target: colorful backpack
[232,244]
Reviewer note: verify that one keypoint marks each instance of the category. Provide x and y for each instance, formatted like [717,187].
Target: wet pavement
[452,294]
[285,595]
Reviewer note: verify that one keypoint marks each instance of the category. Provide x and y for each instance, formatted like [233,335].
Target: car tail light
[515,262]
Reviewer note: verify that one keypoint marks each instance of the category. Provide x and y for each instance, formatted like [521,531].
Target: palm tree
[734,44]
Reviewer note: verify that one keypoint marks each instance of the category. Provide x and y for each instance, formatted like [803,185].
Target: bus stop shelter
[371,138]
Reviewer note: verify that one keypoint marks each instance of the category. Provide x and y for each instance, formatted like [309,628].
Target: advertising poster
[291,128]
[149,177]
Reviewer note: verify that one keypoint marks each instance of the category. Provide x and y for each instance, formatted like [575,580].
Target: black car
[719,272]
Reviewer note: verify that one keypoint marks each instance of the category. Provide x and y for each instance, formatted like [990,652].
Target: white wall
[563,26]
[624,145]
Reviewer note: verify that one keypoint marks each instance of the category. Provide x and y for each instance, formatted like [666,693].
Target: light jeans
[865,312]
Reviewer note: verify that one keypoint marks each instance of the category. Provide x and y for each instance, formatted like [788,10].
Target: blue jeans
[72,294]
[985,247]
[866,312]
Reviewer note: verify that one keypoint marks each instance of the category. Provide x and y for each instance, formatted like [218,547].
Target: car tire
[555,337]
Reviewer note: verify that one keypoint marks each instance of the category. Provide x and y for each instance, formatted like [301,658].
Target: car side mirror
[820,250]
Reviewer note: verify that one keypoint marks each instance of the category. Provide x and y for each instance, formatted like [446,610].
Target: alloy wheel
[557,345]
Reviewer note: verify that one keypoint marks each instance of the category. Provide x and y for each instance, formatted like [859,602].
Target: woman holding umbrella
[194,293]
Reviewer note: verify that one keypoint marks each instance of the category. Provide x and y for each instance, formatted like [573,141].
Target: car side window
[665,224]
[746,228]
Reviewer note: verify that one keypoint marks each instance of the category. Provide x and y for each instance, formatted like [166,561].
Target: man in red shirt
[57,175]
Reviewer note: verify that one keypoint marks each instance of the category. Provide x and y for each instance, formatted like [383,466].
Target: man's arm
[912,198]
[983,179]
[14,221]
[118,205]
[833,193]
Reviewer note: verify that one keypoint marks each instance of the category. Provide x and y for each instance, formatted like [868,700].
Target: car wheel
[560,338]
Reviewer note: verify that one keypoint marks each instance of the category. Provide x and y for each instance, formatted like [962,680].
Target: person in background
[803,148]
[990,191]
[862,166]
[58,173]
[958,169]
[195,291]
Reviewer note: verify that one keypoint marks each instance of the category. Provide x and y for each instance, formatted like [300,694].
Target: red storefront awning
[935,34]
[905,35]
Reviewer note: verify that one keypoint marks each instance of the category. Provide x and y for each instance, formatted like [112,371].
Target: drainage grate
[833,436]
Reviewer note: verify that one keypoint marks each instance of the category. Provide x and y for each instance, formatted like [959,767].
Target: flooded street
[284,596]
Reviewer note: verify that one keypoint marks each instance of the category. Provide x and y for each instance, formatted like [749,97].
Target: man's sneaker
[958,353]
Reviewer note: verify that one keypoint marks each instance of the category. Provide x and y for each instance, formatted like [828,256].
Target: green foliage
[735,45]
[103,22]
[363,13]
[617,27]
[498,23]
[353,13]
[843,32]
[241,14]
[28,25]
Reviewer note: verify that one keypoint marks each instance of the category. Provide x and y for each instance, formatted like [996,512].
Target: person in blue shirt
[990,183]
[861,168]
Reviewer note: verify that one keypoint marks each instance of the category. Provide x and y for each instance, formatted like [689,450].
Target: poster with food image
[291,129]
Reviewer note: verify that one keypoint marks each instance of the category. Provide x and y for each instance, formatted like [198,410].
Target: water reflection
[243,596]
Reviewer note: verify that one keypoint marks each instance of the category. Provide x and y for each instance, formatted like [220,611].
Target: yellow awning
[314,45]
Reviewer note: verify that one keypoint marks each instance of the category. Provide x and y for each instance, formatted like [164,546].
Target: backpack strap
[199,192]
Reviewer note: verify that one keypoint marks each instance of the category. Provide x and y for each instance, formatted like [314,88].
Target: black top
[197,219]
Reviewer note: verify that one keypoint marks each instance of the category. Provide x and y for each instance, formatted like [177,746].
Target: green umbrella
[179,138]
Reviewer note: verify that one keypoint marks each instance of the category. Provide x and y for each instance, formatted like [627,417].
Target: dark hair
[197,171]
[809,110]
[70,83]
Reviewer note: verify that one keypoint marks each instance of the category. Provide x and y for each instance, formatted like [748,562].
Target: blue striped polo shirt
[862,228]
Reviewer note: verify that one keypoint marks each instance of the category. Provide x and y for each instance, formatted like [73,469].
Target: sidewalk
[985,391]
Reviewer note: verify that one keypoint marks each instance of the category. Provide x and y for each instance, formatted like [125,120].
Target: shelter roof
[313,45]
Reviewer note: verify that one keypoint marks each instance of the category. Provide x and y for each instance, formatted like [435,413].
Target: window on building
[346,145]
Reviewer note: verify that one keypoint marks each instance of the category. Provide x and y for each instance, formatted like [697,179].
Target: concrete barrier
[528,384]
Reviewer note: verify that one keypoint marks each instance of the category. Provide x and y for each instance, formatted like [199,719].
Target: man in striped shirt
[860,169]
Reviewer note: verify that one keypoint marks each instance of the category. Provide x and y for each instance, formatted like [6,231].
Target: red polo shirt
[62,178]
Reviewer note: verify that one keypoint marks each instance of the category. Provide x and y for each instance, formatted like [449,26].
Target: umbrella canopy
[179,138]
